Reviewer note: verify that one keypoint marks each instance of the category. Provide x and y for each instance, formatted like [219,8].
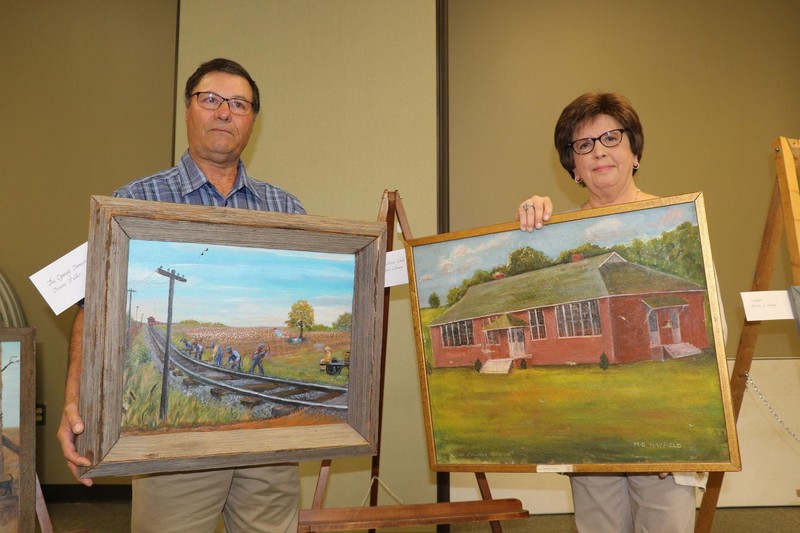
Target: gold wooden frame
[26,483]
[726,460]
[114,222]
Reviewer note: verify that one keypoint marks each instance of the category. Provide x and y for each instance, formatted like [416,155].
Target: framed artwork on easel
[592,345]
[17,429]
[221,337]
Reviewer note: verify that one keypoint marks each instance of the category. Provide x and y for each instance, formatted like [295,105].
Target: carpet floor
[114,517]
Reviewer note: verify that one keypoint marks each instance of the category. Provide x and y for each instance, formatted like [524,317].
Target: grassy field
[142,395]
[641,412]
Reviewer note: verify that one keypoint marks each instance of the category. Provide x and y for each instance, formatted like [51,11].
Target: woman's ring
[526,206]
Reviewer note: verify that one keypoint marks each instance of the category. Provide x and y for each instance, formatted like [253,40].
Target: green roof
[588,279]
[505,322]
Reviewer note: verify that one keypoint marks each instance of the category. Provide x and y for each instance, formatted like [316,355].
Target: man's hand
[72,425]
[534,212]
[71,422]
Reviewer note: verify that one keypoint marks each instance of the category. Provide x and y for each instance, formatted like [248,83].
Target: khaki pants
[619,503]
[262,499]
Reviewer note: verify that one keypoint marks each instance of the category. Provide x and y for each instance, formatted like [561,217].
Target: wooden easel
[784,211]
[351,518]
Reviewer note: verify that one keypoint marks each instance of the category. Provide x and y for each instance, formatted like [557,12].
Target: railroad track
[250,389]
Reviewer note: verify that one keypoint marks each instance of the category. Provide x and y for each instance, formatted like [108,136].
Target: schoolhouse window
[457,333]
[578,319]
[536,320]
[652,322]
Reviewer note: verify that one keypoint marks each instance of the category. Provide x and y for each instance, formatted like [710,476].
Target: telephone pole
[128,329]
[173,277]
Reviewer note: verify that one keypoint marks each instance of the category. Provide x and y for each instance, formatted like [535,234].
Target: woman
[600,141]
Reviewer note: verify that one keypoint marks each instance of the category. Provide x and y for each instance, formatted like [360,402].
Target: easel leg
[41,510]
[486,494]
[747,342]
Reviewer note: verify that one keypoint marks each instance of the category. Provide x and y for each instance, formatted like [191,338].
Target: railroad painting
[257,337]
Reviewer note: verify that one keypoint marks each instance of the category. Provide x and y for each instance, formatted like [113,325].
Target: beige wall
[87,106]
[714,83]
[349,110]
[349,94]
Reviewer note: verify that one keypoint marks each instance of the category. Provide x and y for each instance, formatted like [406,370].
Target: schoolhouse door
[516,342]
[675,322]
[652,324]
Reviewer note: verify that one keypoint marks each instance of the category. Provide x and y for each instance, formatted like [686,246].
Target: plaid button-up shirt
[186,184]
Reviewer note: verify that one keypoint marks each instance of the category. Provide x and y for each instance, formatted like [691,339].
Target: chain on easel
[780,421]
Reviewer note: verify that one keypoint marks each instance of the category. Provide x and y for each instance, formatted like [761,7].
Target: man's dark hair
[228,66]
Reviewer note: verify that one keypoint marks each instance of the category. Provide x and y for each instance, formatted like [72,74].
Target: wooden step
[497,366]
[353,518]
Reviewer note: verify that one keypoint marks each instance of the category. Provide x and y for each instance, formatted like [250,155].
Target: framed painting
[17,429]
[219,337]
[591,345]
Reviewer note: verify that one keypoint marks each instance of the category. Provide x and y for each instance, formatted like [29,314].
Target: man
[234,359]
[258,358]
[219,355]
[222,102]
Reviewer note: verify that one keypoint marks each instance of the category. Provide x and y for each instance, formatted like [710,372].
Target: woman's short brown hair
[584,109]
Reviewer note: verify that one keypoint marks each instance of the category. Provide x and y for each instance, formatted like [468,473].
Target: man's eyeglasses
[607,139]
[209,100]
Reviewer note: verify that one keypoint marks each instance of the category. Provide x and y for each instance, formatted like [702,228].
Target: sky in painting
[11,390]
[237,286]
[443,265]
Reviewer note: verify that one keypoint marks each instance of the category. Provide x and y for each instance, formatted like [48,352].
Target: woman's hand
[534,212]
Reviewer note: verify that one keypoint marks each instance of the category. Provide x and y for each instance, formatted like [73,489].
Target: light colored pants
[619,503]
[264,499]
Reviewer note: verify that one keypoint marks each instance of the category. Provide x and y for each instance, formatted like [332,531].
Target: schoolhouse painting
[559,341]
[573,312]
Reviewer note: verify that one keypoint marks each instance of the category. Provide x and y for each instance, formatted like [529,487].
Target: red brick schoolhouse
[571,314]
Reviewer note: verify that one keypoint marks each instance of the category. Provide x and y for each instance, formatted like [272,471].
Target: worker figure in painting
[219,355]
[234,359]
[258,359]
[327,358]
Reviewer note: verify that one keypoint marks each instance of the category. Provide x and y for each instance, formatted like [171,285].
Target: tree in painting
[343,323]
[301,316]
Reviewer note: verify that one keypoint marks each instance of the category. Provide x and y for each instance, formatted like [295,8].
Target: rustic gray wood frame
[26,337]
[114,222]
[734,462]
